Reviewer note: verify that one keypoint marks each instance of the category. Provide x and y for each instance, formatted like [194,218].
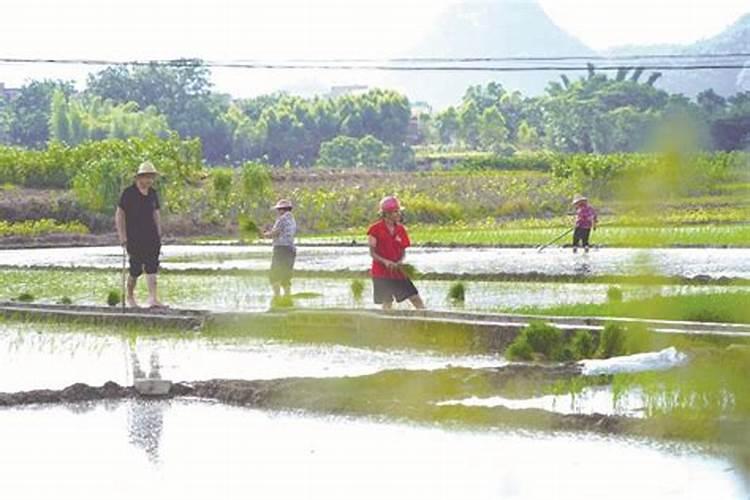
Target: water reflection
[671,261]
[582,268]
[48,357]
[215,451]
[146,417]
[145,425]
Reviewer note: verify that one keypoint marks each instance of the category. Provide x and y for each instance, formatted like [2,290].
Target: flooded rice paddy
[192,449]
[688,262]
[54,356]
[339,421]
[226,292]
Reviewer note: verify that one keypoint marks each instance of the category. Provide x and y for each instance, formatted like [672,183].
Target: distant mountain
[510,28]
[502,28]
[734,39]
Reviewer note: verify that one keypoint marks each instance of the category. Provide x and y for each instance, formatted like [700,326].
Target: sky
[273,29]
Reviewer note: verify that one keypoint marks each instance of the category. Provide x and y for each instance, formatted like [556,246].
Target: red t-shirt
[389,246]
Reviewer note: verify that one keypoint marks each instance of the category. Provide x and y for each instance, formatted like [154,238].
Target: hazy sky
[236,29]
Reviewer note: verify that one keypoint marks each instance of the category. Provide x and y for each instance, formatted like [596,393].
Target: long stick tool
[122,277]
[554,240]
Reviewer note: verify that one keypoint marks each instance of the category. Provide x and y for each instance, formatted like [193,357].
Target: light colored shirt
[287,228]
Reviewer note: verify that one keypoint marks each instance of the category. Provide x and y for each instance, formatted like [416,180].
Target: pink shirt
[585,216]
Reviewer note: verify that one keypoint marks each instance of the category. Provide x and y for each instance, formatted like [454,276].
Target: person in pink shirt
[586,220]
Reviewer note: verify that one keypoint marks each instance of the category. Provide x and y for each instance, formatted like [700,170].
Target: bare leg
[387,306]
[131,292]
[276,289]
[153,300]
[416,301]
[287,288]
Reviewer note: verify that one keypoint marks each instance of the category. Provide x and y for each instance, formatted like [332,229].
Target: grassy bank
[699,235]
[712,307]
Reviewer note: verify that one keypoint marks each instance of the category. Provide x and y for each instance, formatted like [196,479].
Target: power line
[634,58]
[259,65]
[472,68]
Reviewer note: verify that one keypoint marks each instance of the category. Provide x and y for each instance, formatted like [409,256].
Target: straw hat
[147,168]
[283,203]
[578,199]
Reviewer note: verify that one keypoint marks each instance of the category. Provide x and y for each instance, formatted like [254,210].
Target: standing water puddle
[196,450]
[36,357]
[588,401]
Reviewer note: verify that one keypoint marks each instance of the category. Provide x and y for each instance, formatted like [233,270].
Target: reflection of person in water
[582,268]
[145,423]
[146,418]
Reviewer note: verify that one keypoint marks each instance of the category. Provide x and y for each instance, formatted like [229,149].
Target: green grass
[692,401]
[737,235]
[179,289]
[632,237]
[732,307]
[218,257]
[40,228]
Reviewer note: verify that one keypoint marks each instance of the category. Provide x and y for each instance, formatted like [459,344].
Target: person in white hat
[138,223]
[282,232]
[586,220]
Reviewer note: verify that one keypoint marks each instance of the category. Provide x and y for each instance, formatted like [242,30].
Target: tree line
[597,113]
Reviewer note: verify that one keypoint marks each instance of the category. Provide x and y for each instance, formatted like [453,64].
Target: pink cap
[390,204]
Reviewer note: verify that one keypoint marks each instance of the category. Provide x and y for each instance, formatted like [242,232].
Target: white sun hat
[147,168]
[578,198]
[282,203]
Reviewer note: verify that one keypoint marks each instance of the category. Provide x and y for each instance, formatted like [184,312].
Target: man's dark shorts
[141,261]
[385,290]
[581,234]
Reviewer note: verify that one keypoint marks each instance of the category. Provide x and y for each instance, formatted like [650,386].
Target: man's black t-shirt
[140,225]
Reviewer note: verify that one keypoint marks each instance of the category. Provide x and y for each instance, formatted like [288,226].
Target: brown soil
[265,394]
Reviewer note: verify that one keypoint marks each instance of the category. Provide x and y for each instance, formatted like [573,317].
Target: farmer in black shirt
[139,229]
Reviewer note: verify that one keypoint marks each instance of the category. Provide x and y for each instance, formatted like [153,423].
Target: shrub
[612,341]
[98,170]
[457,292]
[30,228]
[583,345]
[255,187]
[358,289]
[541,339]
[520,161]
[424,208]
[248,229]
[519,350]
[25,297]
[113,298]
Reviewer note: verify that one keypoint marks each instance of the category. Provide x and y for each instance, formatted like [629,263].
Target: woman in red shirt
[388,241]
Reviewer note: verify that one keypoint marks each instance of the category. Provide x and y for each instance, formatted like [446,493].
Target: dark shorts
[385,290]
[144,260]
[282,264]
[581,235]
